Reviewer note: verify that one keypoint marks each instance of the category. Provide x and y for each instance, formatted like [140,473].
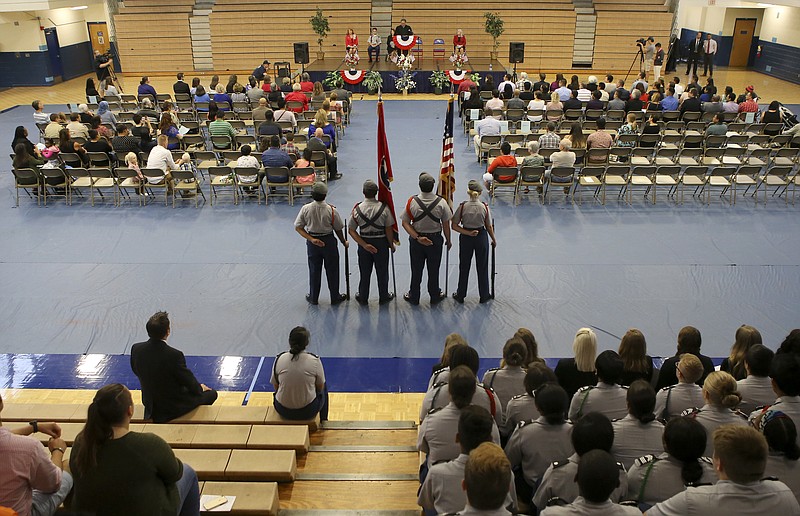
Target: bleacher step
[358,477]
[332,512]
[367,425]
[363,449]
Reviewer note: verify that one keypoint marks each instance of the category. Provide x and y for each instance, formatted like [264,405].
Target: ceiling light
[79,7]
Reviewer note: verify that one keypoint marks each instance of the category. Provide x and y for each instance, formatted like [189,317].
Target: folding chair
[712,156]
[591,176]
[52,179]
[244,177]
[666,175]
[28,179]
[779,176]
[186,181]
[438,48]
[102,178]
[193,142]
[81,179]
[562,172]
[221,178]
[746,175]
[488,142]
[530,177]
[320,160]
[128,179]
[720,177]
[148,187]
[641,176]
[205,159]
[642,156]
[297,186]
[99,160]
[220,143]
[597,156]
[510,184]
[696,176]
[616,176]
[690,157]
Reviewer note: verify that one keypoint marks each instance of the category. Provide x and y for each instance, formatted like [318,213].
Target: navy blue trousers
[327,257]
[422,256]
[478,246]
[380,261]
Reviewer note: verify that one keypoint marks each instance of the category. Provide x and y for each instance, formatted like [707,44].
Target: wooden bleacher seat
[257,465]
[273,418]
[177,436]
[259,498]
[221,436]
[202,414]
[280,437]
[248,415]
[209,464]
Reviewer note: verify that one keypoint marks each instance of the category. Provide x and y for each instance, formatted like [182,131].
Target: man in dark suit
[689,341]
[403,30]
[695,53]
[181,86]
[169,389]
[316,143]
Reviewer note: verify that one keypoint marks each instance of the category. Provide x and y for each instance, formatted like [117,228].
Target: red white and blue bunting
[405,42]
[353,76]
[457,76]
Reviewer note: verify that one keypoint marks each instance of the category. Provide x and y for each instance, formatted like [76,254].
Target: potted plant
[373,81]
[439,79]
[333,80]
[476,78]
[319,24]
[494,28]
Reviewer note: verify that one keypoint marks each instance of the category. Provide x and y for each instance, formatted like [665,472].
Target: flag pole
[346,261]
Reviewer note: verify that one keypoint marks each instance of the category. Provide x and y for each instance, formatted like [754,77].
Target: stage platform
[423,68]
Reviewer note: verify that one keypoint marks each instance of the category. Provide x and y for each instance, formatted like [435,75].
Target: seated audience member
[106,116]
[321,121]
[600,139]
[239,95]
[76,128]
[785,375]
[286,85]
[689,341]
[260,112]
[573,102]
[750,105]
[506,80]
[607,397]
[124,141]
[318,92]
[542,84]
[253,92]
[533,159]
[670,100]
[515,102]
[304,161]
[297,95]
[577,372]
[714,105]
[441,371]
[691,104]
[200,95]
[584,93]
[305,83]
[246,160]
[597,480]
[504,160]
[299,380]
[657,477]
[532,347]
[526,95]
[634,102]
[316,143]
[145,88]
[180,86]
[98,144]
[756,388]
[746,337]
[591,432]
[169,389]
[221,97]
[147,110]
[21,137]
[523,406]
[143,130]
[535,444]
[67,144]
[269,127]
[638,433]
[564,93]
[730,105]
[563,158]
[633,351]
[508,380]
[289,147]
[717,126]
[486,476]
[222,128]
[284,115]
[616,103]
[595,102]
[118,471]
[630,127]
[782,462]
[722,398]
[624,94]
[39,116]
[274,156]
[554,109]
[740,457]
[651,127]
[32,476]
[473,102]
[52,129]
[791,344]
[537,104]
[550,139]
[441,493]
[672,400]
[132,162]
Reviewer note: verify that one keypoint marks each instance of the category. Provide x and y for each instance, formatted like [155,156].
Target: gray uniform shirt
[582,507]
[506,382]
[369,208]
[673,400]
[519,408]
[439,376]
[413,212]
[756,392]
[726,497]
[610,400]
[535,445]
[785,470]
[297,379]
[319,217]
[713,417]
[632,439]
[472,214]
[559,482]
[437,434]
[664,480]
[789,405]
[439,397]
[442,489]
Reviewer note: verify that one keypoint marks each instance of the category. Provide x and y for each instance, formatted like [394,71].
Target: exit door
[54,52]
[743,32]
[98,35]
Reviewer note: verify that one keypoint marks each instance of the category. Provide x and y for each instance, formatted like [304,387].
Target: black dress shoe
[407,297]
[458,298]
[338,299]
[310,301]
[438,299]
[386,299]
[335,176]
[485,299]
[361,300]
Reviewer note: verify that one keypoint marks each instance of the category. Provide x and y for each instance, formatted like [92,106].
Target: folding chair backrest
[562,171]
[246,171]
[29,176]
[301,172]
[152,172]
[278,175]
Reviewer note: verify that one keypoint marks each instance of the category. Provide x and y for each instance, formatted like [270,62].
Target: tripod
[640,56]
[114,79]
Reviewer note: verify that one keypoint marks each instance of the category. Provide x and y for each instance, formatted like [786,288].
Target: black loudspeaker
[516,52]
[301,53]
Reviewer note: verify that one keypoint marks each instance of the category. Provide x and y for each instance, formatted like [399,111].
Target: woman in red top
[351,40]
[459,41]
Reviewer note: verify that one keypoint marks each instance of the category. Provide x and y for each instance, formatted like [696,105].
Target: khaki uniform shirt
[319,218]
[519,408]
[756,392]
[369,209]
[439,397]
[581,507]
[437,434]
[534,445]
[427,224]
[472,214]
[712,418]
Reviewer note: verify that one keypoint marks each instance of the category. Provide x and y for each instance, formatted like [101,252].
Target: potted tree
[494,28]
[373,81]
[439,79]
[333,80]
[319,24]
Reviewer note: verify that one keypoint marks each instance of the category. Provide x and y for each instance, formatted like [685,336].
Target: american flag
[447,172]
[385,176]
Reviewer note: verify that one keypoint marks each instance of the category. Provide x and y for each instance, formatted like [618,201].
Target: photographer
[102,64]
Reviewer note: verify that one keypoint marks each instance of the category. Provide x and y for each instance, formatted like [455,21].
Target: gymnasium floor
[78,283]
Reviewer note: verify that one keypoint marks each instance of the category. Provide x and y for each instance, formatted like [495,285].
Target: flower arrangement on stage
[404,81]
[351,58]
[459,59]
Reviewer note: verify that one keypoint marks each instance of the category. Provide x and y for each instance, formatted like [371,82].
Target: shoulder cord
[640,496]
[583,402]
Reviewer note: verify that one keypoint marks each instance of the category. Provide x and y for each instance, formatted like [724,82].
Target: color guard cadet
[523,406]
[785,375]
[781,434]
[639,433]
[317,222]
[371,227]
[607,397]
[740,457]
[756,388]
[673,400]
[509,380]
[657,477]
[425,218]
[473,221]
[721,397]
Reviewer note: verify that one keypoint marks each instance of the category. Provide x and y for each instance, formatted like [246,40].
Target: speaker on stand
[301,54]
[516,54]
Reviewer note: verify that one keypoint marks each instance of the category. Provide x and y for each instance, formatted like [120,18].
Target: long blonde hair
[454,339]
[720,387]
[585,349]
[746,337]
[321,118]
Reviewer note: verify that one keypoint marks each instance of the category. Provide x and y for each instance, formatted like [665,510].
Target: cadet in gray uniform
[486,478]
[591,432]
[509,380]
[523,406]
[785,374]
[756,389]
[425,218]
[597,480]
[458,354]
[534,445]
[673,400]
[782,462]
[607,397]
[658,477]
[299,381]
[317,222]
[441,492]
[437,434]
[371,227]
[473,221]
[639,433]
[740,456]
[721,397]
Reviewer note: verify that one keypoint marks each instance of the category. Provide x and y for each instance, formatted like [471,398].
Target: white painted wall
[718,19]
[19,32]
[782,23]
[71,25]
